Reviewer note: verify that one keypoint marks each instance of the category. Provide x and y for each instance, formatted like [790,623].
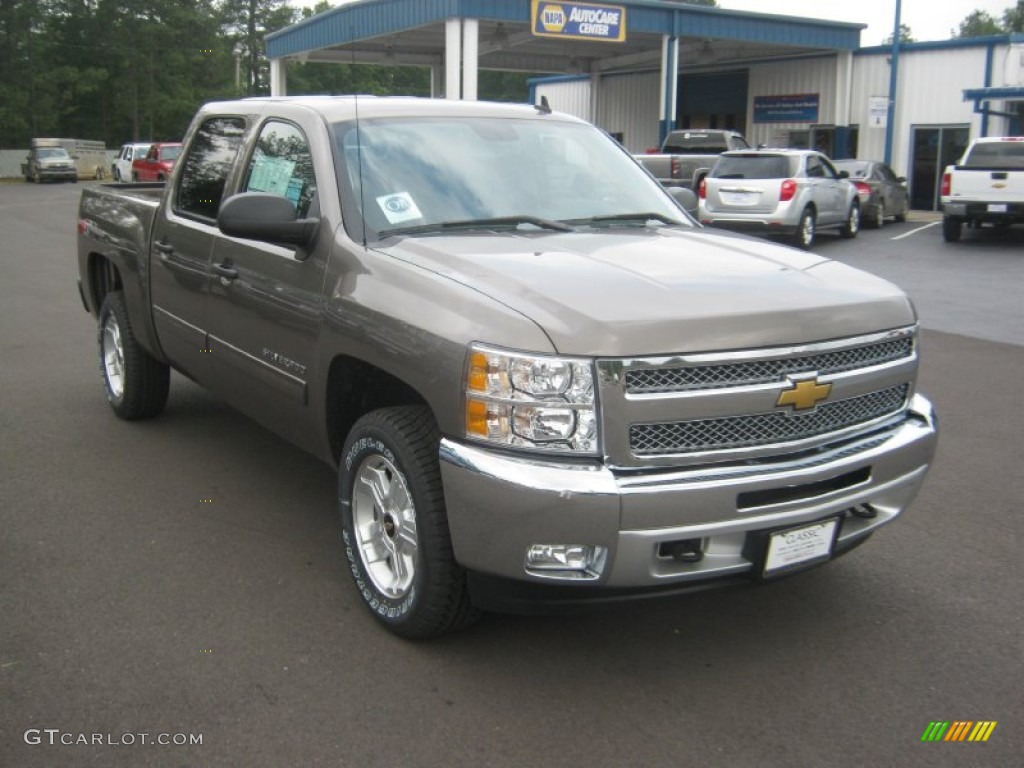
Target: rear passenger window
[207,165]
[281,165]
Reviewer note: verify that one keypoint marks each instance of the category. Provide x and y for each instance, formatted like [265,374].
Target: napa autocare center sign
[797,108]
[578,21]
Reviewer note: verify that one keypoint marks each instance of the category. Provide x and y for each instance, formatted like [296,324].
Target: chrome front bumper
[500,505]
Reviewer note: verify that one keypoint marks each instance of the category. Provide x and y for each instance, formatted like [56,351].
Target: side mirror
[901,179]
[685,199]
[844,174]
[265,217]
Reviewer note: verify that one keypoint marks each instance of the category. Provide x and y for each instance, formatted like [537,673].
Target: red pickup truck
[157,164]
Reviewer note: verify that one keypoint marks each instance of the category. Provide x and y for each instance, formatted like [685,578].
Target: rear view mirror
[265,217]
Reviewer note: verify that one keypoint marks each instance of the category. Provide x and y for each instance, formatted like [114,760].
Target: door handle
[164,248]
[225,270]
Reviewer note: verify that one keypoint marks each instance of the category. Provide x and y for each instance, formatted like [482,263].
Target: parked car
[882,193]
[785,192]
[985,187]
[48,160]
[685,154]
[157,164]
[535,392]
[121,168]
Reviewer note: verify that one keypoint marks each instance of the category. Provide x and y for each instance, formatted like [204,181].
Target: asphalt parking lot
[130,605]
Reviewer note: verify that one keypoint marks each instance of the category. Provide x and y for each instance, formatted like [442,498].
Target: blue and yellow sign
[578,21]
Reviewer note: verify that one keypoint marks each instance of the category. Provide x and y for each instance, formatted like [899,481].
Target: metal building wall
[798,76]
[628,104]
[930,92]
[571,96]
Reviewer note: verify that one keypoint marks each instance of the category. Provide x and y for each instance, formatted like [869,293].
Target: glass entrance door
[932,149]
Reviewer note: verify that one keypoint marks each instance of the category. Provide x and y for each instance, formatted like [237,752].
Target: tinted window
[281,164]
[695,143]
[998,154]
[170,153]
[828,170]
[752,167]
[207,164]
[857,170]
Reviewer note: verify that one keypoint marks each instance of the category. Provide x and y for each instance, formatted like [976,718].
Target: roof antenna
[544,108]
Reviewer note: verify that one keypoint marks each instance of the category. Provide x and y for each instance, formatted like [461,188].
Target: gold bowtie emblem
[803,394]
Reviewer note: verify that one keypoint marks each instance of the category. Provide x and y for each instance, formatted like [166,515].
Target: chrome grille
[764,428]
[738,374]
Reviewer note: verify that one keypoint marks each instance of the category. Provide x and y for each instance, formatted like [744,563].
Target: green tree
[1013,18]
[247,23]
[978,24]
[905,36]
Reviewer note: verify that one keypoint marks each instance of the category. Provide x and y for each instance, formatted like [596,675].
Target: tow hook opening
[683,550]
[865,511]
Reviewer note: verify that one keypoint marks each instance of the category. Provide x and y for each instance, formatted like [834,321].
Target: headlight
[531,401]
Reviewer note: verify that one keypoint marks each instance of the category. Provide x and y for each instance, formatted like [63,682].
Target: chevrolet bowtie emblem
[803,394]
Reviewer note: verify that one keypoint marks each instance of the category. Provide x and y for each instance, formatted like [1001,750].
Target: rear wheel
[952,228]
[902,215]
[135,176]
[876,218]
[394,524]
[852,225]
[805,230]
[135,383]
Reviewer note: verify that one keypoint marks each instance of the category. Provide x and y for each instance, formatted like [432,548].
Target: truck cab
[48,161]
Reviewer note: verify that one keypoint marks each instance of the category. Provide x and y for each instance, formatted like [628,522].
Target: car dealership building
[640,68]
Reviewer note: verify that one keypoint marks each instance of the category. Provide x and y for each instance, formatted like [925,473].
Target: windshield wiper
[499,221]
[642,217]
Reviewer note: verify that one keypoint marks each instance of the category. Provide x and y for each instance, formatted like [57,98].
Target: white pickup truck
[986,186]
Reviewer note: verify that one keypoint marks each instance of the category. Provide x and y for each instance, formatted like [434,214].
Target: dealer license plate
[801,546]
[997,208]
[740,198]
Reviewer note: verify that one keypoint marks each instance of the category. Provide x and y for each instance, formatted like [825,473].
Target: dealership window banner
[578,21]
[798,108]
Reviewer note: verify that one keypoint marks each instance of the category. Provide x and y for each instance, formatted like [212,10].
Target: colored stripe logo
[958,730]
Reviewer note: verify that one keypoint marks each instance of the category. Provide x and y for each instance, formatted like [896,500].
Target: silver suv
[786,192]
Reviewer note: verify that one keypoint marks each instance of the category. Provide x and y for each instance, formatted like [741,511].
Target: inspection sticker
[399,207]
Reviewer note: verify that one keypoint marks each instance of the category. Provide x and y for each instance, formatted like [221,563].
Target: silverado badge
[803,394]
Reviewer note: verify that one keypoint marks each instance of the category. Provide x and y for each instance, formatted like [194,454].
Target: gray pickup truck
[686,155]
[541,382]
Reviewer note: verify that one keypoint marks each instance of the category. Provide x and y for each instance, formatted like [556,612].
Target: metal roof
[411,32]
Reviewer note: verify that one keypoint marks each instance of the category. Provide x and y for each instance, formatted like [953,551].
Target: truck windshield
[997,154]
[418,175]
[170,152]
[53,153]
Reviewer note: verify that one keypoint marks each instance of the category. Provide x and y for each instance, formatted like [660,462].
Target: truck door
[265,299]
[828,190]
[182,242]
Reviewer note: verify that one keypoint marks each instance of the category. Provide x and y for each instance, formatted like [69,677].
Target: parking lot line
[914,231]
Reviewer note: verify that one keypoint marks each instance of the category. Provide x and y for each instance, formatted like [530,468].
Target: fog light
[566,561]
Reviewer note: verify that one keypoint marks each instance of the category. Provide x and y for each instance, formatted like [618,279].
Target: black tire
[395,534]
[902,215]
[160,178]
[116,174]
[806,230]
[876,220]
[952,228]
[136,385]
[851,226]
[135,176]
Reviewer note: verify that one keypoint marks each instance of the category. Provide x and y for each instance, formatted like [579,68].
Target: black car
[882,193]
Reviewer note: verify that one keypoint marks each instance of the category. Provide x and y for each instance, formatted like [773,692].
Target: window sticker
[399,207]
[271,174]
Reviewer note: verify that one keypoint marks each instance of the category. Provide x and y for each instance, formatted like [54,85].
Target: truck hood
[632,292]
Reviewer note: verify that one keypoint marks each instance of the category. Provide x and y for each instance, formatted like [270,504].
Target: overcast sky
[927,19]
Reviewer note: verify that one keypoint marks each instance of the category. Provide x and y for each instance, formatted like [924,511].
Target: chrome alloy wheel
[807,230]
[384,519]
[113,357]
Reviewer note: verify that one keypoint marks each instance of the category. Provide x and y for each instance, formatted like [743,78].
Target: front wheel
[804,236]
[952,228]
[135,383]
[394,524]
[851,226]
